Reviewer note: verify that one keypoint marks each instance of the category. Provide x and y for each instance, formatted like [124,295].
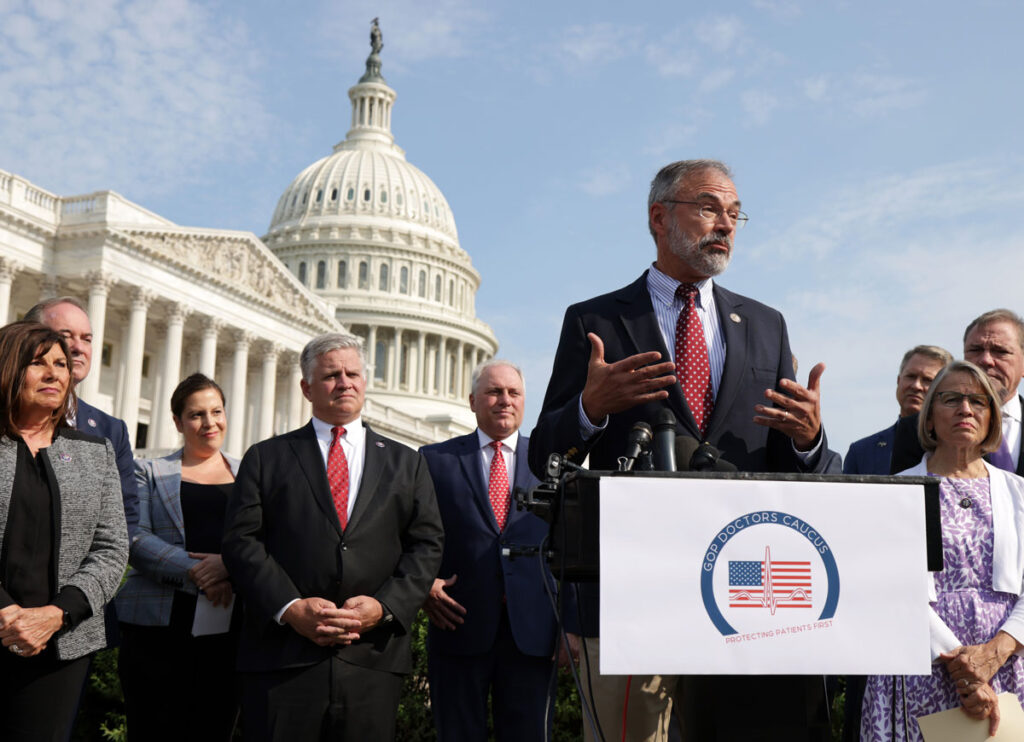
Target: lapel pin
[734,317]
[64,457]
[380,444]
[882,444]
[92,423]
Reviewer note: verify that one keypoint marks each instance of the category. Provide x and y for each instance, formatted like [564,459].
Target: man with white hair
[333,538]
[492,624]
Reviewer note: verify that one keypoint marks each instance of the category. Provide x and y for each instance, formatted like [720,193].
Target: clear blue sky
[877,146]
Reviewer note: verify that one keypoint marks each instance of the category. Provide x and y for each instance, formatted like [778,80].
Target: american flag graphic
[769,584]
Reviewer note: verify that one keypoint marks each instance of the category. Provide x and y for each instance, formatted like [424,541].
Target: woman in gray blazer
[64,541]
[178,681]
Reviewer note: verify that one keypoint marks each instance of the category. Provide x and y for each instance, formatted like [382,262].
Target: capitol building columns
[207,365]
[134,348]
[268,388]
[8,270]
[236,392]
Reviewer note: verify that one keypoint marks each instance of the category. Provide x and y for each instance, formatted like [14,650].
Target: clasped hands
[972,667]
[326,624]
[211,576]
[29,629]
[638,379]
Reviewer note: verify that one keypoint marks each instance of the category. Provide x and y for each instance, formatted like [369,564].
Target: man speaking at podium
[722,364]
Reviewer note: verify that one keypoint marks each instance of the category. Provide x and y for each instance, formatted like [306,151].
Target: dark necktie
[337,475]
[692,366]
[497,486]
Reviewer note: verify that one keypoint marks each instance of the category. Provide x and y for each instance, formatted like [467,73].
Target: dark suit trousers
[39,695]
[519,686]
[331,701]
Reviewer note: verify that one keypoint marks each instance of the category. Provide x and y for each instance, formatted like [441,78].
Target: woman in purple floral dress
[977,612]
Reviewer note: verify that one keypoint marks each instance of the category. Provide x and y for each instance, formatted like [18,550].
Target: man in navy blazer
[67,316]
[492,625]
[613,368]
[920,364]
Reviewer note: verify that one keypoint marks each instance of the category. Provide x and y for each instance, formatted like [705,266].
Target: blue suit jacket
[90,420]
[472,550]
[757,358]
[159,561]
[871,455]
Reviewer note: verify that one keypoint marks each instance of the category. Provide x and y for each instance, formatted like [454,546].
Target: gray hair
[926,433]
[491,363]
[999,315]
[35,314]
[669,177]
[325,343]
[934,352]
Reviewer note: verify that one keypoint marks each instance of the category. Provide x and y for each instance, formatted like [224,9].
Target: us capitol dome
[372,235]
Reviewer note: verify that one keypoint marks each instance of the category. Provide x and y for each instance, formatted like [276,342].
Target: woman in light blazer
[178,680]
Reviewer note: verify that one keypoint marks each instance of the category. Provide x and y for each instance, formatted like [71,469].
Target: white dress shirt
[353,444]
[1011,428]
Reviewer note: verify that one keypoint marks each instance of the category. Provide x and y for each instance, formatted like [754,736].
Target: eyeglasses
[954,400]
[711,213]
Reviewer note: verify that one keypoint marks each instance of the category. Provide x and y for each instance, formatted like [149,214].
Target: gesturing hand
[442,609]
[614,387]
[797,413]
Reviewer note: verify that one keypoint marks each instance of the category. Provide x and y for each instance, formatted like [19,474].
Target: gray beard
[695,254]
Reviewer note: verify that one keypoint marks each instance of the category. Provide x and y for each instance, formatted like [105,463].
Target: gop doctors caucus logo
[768,571]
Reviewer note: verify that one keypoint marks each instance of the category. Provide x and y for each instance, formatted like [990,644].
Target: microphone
[664,447]
[639,440]
[708,458]
[685,447]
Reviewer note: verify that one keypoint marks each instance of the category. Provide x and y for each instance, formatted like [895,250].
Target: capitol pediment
[239,263]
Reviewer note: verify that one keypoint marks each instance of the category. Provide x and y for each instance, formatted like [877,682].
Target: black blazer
[757,358]
[907,451]
[283,542]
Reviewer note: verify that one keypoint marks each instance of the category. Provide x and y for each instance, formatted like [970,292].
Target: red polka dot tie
[337,475]
[692,367]
[497,485]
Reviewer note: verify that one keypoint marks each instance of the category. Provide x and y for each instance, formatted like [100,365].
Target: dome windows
[319,195]
[351,194]
[334,194]
[398,199]
[302,272]
[437,288]
[364,275]
[367,195]
[321,274]
[342,277]
[423,285]
[403,281]
[383,283]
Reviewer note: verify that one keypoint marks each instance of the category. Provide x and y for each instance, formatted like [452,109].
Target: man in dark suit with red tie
[674,339]
[333,539]
[492,625]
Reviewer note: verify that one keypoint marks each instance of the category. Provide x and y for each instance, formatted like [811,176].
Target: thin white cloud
[604,180]
[721,33]
[758,106]
[875,94]
[816,88]
[130,94]
[598,43]
[779,8]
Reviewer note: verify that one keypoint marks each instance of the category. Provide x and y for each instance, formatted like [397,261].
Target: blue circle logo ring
[775,518]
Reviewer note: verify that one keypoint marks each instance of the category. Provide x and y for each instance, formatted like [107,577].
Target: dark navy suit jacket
[472,550]
[757,358]
[90,420]
[871,455]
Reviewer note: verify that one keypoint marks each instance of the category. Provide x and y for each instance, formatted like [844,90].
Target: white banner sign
[705,577]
